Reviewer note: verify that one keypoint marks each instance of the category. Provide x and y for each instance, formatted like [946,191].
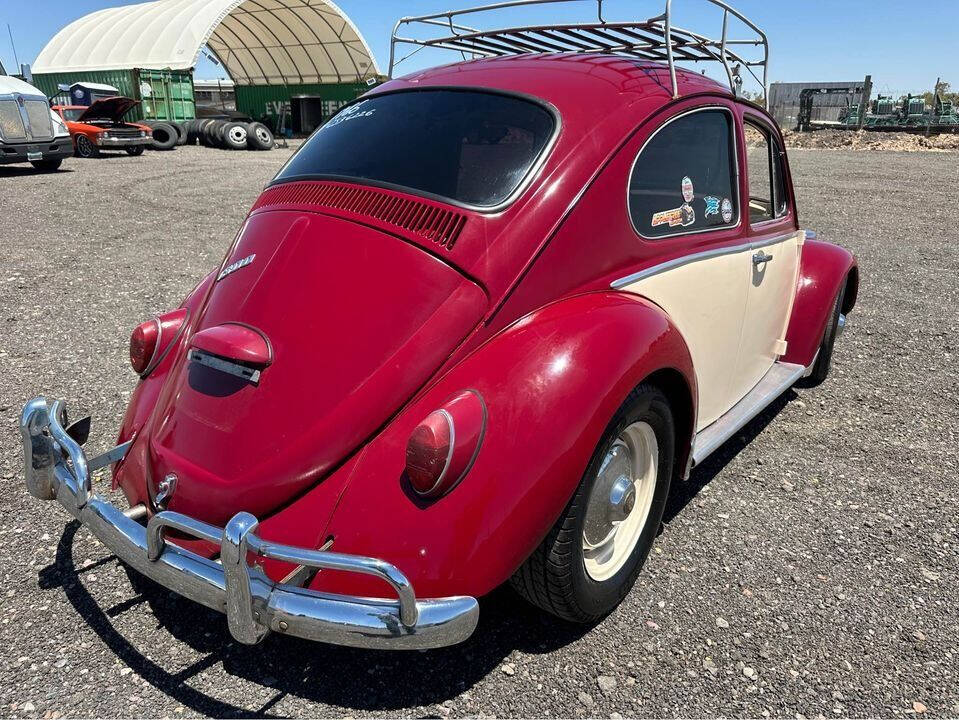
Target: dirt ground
[871,140]
[807,569]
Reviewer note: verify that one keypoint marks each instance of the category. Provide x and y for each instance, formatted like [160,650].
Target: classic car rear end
[29,131]
[470,334]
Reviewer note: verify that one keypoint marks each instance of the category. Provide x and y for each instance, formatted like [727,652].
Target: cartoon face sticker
[727,210]
[687,186]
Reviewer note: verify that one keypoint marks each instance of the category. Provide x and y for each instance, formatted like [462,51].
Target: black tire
[235,136]
[820,370]
[210,133]
[134,150]
[259,137]
[85,148]
[203,131]
[47,165]
[180,132]
[219,127]
[164,137]
[554,577]
[192,131]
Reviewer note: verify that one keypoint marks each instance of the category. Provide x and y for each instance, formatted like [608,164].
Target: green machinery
[909,114]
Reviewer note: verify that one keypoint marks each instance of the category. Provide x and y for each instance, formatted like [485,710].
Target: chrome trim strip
[56,467]
[695,257]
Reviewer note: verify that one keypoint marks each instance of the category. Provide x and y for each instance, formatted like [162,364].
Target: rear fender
[145,394]
[823,270]
[551,383]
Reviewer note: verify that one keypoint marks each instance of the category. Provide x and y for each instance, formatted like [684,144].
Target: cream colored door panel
[772,288]
[706,300]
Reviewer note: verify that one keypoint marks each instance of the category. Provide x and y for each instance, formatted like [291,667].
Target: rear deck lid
[353,320]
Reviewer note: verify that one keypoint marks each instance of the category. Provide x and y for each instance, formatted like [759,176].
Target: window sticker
[727,210]
[683,215]
[353,112]
[712,205]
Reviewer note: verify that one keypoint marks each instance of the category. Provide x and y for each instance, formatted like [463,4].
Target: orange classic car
[101,127]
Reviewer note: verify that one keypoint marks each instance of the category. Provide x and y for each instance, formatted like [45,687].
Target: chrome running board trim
[774,383]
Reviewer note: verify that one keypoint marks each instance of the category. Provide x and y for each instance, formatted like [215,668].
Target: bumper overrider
[58,469]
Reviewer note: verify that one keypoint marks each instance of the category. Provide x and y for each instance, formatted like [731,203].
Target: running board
[780,377]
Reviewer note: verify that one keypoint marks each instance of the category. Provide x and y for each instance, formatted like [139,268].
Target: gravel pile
[807,569]
[871,140]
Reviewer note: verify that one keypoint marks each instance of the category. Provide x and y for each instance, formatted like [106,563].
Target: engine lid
[356,321]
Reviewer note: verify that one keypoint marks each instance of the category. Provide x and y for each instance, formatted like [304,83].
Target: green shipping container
[306,106]
[163,94]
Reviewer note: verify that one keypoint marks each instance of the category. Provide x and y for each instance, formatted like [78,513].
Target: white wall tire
[589,561]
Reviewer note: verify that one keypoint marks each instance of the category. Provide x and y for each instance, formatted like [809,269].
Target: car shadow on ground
[22,170]
[358,679]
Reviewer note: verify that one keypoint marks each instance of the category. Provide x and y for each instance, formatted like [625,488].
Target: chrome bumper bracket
[57,468]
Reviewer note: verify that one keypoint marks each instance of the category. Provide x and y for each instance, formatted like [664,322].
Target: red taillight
[151,340]
[143,345]
[442,448]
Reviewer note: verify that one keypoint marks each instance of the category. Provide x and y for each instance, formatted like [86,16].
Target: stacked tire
[229,134]
[166,134]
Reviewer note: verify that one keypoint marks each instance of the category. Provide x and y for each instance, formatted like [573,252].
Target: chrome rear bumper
[57,468]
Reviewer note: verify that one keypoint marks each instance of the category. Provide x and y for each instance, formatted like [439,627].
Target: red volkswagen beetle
[470,334]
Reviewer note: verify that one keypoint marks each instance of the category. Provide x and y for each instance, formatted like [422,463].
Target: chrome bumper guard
[57,468]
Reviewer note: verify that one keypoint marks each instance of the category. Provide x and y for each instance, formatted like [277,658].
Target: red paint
[376,321]
[236,342]
[823,269]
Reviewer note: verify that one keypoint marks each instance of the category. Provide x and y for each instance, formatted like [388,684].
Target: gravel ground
[808,568]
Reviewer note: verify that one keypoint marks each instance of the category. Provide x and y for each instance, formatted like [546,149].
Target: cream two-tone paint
[731,311]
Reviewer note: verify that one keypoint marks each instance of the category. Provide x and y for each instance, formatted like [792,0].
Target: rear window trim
[734,153]
[527,180]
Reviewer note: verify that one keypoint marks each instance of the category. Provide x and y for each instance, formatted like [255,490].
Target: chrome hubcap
[620,501]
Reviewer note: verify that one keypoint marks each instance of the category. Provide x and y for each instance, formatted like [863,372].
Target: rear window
[475,148]
[684,179]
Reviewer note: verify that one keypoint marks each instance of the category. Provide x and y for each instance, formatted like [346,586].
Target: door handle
[761,257]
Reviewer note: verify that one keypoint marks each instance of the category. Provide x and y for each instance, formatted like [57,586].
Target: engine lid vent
[427,220]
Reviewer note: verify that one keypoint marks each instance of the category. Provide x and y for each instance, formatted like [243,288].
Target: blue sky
[903,44]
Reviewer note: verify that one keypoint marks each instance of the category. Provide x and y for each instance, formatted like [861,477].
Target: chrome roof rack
[656,38]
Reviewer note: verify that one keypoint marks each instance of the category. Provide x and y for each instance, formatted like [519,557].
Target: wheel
[234,136]
[164,137]
[203,131]
[47,165]
[259,137]
[590,559]
[820,369]
[85,148]
[134,150]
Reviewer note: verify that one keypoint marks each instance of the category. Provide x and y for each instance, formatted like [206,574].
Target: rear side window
[468,146]
[684,179]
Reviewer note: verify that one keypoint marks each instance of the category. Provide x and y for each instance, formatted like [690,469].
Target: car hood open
[112,108]
[316,332]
